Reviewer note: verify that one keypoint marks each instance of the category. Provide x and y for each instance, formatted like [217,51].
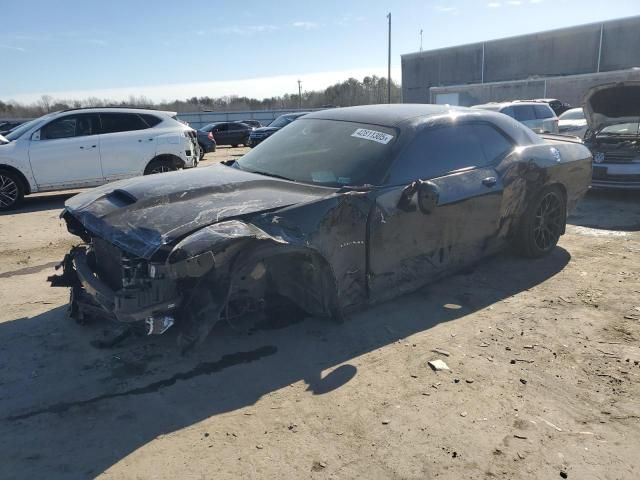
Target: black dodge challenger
[341,209]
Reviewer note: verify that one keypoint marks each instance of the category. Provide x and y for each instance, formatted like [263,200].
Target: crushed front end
[107,283]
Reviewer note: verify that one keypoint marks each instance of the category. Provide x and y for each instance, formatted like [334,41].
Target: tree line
[372,89]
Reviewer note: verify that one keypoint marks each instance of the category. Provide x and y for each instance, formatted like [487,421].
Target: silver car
[538,116]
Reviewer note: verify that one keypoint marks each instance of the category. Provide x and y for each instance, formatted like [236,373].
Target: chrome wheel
[9,191]
[549,221]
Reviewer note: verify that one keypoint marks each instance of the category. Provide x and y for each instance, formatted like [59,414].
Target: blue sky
[167,49]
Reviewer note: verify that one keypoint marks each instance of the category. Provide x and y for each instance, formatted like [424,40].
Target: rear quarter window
[543,111]
[150,120]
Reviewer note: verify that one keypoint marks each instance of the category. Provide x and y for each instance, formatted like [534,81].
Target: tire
[160,165]
[202,152]
[11,190]
[543,223]
[245,142]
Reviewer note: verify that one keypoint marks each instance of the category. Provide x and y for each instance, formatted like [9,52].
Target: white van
[89,147]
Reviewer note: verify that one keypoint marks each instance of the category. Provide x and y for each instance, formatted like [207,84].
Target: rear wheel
[202,152]
[160,166]
[543,223]
[11,190]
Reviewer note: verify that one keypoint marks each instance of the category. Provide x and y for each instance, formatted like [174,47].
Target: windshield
[574,114]
[324,152]
[626,128]
[281,121]
[20,130]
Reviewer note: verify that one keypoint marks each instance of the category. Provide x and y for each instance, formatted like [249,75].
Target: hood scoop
[121,198]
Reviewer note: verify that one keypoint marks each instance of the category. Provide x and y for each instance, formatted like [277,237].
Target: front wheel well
[26,186]
[301,276]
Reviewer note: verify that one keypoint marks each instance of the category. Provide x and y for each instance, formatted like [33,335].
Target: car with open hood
[341,209]
[612,112]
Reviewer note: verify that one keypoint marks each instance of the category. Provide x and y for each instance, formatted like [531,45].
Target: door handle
[489,181]
[83,147]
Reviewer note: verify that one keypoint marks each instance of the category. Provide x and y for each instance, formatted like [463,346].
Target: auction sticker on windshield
[374,135]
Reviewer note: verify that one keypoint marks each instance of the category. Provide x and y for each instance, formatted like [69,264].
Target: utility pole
[300,94]
[420,39]
[389,63]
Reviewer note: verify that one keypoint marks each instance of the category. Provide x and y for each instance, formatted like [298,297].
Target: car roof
[385,114]
[117,110]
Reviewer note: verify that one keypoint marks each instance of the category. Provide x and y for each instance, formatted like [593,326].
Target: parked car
[573,122]
[206,142]
[252,123]
[228,133]
[613,136]
[556,105]
[538,116]
[260,134]
[7,126]
[88,147]
[342,209]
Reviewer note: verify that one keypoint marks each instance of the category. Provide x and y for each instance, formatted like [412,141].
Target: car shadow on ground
[72,411]
[608,210]
[42,202]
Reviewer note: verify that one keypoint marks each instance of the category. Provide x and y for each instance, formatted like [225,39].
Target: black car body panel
[220,233]
[207,145]
[229,133]
[613,117]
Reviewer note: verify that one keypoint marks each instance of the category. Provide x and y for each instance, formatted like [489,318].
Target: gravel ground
[543,379]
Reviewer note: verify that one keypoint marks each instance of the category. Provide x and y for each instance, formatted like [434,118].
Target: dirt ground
[544,379]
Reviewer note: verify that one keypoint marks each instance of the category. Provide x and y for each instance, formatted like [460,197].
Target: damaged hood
[142,214]
[611,104]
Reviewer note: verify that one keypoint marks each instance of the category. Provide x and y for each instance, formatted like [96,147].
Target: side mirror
[421,193]
[428,196]
[35,135]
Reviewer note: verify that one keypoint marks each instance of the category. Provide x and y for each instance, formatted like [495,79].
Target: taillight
[210,136]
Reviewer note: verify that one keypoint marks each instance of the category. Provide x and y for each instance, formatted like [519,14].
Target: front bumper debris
[153,301]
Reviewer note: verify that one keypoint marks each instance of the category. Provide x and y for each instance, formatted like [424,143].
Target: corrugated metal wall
[600,47]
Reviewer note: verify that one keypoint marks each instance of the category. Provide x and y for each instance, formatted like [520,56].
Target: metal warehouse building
[560,64]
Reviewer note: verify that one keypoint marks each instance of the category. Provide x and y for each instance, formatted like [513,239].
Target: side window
[495,145]
[542,111]
[438,151]
[70,126]
[524,113]
[508,111]
[150,120]
[223,127]
[236,126]
[121,122]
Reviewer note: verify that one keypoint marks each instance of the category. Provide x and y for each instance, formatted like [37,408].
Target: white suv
[89,147]
[538,116]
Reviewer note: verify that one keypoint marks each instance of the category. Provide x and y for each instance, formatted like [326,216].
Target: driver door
[408,247]
[66,152]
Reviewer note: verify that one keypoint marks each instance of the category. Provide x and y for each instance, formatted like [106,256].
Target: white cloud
[306,25]
[515,3]
[446,9]
[255,87]
[493,5]
[244,29]
[11,47]
[536,1]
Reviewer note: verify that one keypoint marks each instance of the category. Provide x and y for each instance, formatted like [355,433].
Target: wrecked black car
[341,209]
[613,136]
